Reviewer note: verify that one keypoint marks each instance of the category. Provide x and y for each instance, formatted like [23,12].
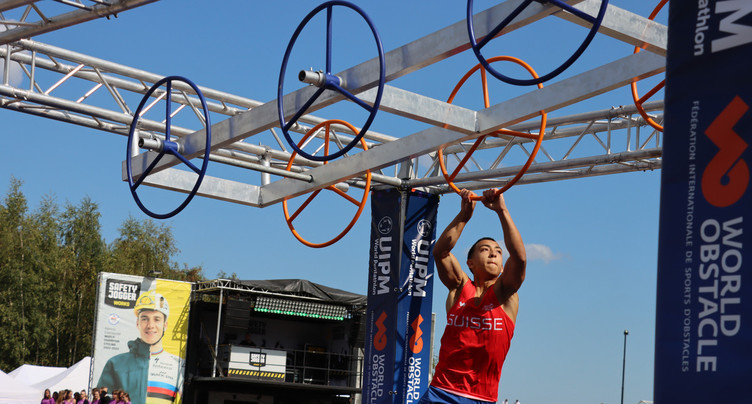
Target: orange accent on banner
[416,342]
[726,177]
[380,339]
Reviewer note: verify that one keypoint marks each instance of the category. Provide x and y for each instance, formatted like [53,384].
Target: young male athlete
[481,311]
[147,372]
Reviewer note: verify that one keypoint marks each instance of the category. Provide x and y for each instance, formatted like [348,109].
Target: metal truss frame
[100,94]
[38,17]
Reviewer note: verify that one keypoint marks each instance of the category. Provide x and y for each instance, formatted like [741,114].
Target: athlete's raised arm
[514,268]
[448,267]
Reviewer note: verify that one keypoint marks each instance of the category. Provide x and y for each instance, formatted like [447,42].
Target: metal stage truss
[38,17]
[245,133]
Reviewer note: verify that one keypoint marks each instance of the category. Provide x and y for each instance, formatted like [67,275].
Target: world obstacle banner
[704,317]
[140,335]
[400,293]
[383,281]
[415,298]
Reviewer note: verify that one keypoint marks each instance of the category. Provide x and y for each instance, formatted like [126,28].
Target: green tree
[224,275]
[47,260]
[13,229]
[143,247]
[49,266]
[81,234]
[190,274]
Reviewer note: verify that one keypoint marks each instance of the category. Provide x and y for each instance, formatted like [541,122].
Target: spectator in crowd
[47,399]
[119,395]
[65,397]
[103,398]
[83,398]
[126,398]
[95,396]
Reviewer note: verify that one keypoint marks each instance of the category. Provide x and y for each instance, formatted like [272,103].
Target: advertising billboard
[140,335]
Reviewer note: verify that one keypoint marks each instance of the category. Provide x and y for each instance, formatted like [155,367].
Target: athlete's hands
[467,205]
[494,200]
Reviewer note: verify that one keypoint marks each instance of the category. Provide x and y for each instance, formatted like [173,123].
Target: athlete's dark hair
[472,249]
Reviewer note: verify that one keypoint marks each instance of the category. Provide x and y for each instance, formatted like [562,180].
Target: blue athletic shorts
[435,395]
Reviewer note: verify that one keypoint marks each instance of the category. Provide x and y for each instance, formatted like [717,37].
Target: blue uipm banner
[703,333]
[416,297]
[400,294]
[381,314]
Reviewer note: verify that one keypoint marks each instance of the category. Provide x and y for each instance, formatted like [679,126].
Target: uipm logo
[385,225]
[424,227]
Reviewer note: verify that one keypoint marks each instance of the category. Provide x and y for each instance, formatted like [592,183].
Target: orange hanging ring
[538,138]
[636,97]
[360,204]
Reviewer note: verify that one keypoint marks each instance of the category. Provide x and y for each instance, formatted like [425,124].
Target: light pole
[624,365]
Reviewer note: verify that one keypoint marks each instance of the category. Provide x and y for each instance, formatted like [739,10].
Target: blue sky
[592,242]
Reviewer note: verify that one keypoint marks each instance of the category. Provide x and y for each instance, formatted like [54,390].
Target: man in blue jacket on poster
[147,372]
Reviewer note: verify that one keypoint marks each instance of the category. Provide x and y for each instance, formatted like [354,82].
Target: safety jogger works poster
[140,337]
[704,303]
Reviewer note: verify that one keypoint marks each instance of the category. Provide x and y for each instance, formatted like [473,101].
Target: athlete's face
[487,257]
[151,326]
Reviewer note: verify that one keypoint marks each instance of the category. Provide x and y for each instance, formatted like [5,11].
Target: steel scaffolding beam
[37,18]
[102,95]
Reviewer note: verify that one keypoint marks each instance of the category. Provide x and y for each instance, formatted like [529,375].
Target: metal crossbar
[95,93]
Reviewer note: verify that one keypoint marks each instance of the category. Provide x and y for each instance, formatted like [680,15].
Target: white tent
[32,374]
[13,391]
[75,378]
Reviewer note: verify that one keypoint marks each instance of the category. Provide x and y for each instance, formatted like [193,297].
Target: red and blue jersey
[474,345]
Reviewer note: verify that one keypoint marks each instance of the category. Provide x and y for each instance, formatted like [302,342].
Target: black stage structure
[273,342]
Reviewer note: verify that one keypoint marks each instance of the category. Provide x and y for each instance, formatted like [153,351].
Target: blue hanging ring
[476,46]
[327,81]
[168,146]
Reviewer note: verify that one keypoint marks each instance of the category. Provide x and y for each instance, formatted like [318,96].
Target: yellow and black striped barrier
[256,373]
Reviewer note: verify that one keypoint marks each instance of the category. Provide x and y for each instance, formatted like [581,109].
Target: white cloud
[541,252]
